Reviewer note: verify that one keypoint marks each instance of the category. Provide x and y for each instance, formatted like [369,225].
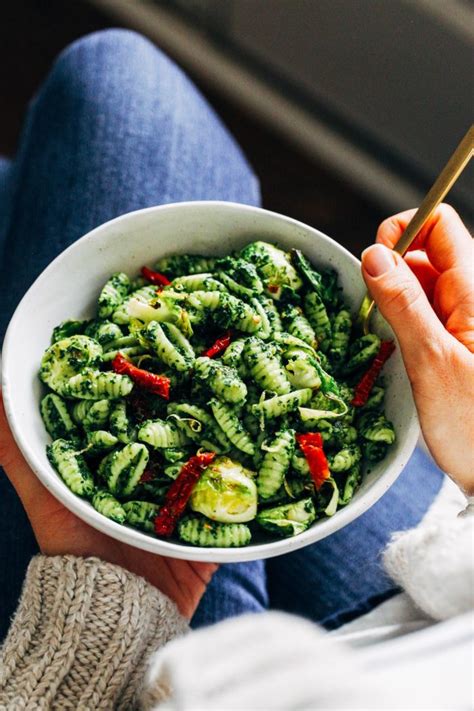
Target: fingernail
[377,260]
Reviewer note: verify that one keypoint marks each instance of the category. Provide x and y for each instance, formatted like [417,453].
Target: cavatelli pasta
[227,310]
[223,380]
[141,514]
[122,470]
[103,331]
[272,314]
[231,425]
[234,287]
[205,301]
[92,414]
[317,315]
[161,434]
[119,422]
[100,441]
[182,264]
[232,355]
[341,333]
[241,271]
[298,325]
[56,417]
[375,427]
[197,282]
[239,314]
[200,531]
[275,463]
[345,458]
[265,367]
[290,362]
[96,385]
[71,466]
[282,404]
[302,370]
[108,506]
[112,295]
[170,345]
[266,329]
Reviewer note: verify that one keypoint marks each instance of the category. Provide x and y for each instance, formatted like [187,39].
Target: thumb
[403,303]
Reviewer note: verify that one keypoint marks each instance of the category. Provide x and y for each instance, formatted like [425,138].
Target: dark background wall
[32,32]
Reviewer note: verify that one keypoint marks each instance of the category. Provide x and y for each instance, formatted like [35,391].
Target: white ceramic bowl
[68,288]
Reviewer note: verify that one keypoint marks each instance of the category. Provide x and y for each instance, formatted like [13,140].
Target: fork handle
[438,191]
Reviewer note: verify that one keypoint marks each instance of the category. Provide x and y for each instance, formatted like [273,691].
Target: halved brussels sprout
[225,492]
[289,519]
[66,358]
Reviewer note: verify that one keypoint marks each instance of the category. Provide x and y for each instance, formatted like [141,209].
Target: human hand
[428,299]
[60,532]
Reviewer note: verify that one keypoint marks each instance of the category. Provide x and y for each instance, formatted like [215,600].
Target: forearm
[82,635]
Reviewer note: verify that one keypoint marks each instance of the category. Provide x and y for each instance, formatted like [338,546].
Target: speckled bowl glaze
[68,288]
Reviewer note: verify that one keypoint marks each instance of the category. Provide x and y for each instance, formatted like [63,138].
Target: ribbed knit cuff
[82,636]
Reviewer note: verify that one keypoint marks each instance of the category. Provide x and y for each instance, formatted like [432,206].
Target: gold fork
[440,188]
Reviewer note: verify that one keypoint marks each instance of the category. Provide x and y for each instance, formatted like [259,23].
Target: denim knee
[114,91]
[107,65]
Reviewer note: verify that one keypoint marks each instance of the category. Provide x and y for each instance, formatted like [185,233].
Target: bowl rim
[83,509]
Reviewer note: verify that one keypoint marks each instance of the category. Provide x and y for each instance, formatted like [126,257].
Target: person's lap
[118,127]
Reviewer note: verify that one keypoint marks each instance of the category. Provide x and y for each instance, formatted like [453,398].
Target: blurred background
[347,109]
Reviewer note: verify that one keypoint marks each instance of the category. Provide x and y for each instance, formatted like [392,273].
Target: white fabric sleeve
[434,564]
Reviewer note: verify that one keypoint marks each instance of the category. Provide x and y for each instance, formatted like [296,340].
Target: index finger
[444,236]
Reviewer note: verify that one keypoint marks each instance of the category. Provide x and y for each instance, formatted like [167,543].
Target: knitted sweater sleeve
[82,636]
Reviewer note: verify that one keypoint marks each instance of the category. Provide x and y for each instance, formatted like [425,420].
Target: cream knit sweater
[88,635]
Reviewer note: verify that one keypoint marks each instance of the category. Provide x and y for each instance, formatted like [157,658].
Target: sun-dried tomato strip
[219,346]
[156,384]
[179,492]
[147,475]
[152,471]
[367,382]
[311,444]
[154,277]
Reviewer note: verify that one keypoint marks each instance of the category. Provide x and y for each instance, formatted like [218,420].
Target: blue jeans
[117,127]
